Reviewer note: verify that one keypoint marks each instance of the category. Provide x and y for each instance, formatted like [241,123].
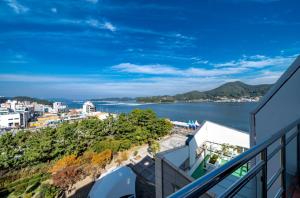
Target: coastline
[201,101]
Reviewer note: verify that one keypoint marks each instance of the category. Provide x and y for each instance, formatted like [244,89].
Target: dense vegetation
[230,90]
[89,141]
[26,98]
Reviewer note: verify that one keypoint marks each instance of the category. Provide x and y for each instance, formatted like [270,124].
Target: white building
[4,111]
[39,107]
[209,148]
[10,104]
[88,107]
[11,120]
[60,107]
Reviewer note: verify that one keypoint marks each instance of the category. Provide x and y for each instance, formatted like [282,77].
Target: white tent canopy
[114,184]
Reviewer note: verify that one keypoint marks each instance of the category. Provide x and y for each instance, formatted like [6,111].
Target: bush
[67,177]
[110,144]
[65,162]
[48,191]
[123,156]
[102,158]
[154,147]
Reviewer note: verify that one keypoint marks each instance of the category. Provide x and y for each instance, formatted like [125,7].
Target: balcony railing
[259,153]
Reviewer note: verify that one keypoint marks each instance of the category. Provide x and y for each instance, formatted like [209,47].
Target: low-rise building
[12,120]
[45,120]
[88,107]
[60,107]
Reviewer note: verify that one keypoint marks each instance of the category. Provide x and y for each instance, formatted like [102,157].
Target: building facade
[11,120]
[88,107]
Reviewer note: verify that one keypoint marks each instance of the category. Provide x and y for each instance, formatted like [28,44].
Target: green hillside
[235,89]
[26,98]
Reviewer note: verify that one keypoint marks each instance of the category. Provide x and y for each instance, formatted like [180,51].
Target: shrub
[48,191]
[102,158]
[154,147]
[65,162]
[67,177]
[123,156]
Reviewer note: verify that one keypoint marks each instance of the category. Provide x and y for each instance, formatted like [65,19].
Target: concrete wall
[177,156]
[216,133]
[279,108]
[168,178]
[168,175]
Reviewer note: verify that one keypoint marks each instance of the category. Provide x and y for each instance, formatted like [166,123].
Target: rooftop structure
[116,183]
[212,146]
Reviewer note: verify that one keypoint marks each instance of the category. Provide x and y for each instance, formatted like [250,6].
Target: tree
[154,147]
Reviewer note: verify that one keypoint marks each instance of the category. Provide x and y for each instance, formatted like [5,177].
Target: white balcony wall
[279,108]
[216,133]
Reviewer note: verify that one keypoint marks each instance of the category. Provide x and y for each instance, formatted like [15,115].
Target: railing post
[283,165]
[264,177]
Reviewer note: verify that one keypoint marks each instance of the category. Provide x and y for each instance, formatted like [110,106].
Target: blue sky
[112,48]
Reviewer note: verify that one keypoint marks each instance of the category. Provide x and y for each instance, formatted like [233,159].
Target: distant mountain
[26,98]
[231,90]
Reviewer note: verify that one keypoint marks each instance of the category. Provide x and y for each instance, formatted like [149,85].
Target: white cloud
[86,86]
[54,10]
[178,35]
[16,6]
[158,69]
[40,79]
[109,26]
[258,61]
[145,69]
[93,23]
[97,24]
[198,60]
[264,77]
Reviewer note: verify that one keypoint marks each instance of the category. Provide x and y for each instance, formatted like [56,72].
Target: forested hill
[235,90]
[26,98]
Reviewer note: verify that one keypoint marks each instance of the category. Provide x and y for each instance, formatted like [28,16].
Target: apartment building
[88,107]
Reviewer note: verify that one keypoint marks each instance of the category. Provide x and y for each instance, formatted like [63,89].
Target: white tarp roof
[114,184]
[182,124]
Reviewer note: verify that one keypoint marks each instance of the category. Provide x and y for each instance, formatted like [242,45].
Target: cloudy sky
[109,48]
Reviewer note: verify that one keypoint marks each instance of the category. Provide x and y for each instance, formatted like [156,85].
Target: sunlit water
[235,115]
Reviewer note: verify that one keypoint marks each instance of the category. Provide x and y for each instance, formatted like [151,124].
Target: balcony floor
[200,171]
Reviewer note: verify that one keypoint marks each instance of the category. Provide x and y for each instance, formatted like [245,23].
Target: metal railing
[259,153]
